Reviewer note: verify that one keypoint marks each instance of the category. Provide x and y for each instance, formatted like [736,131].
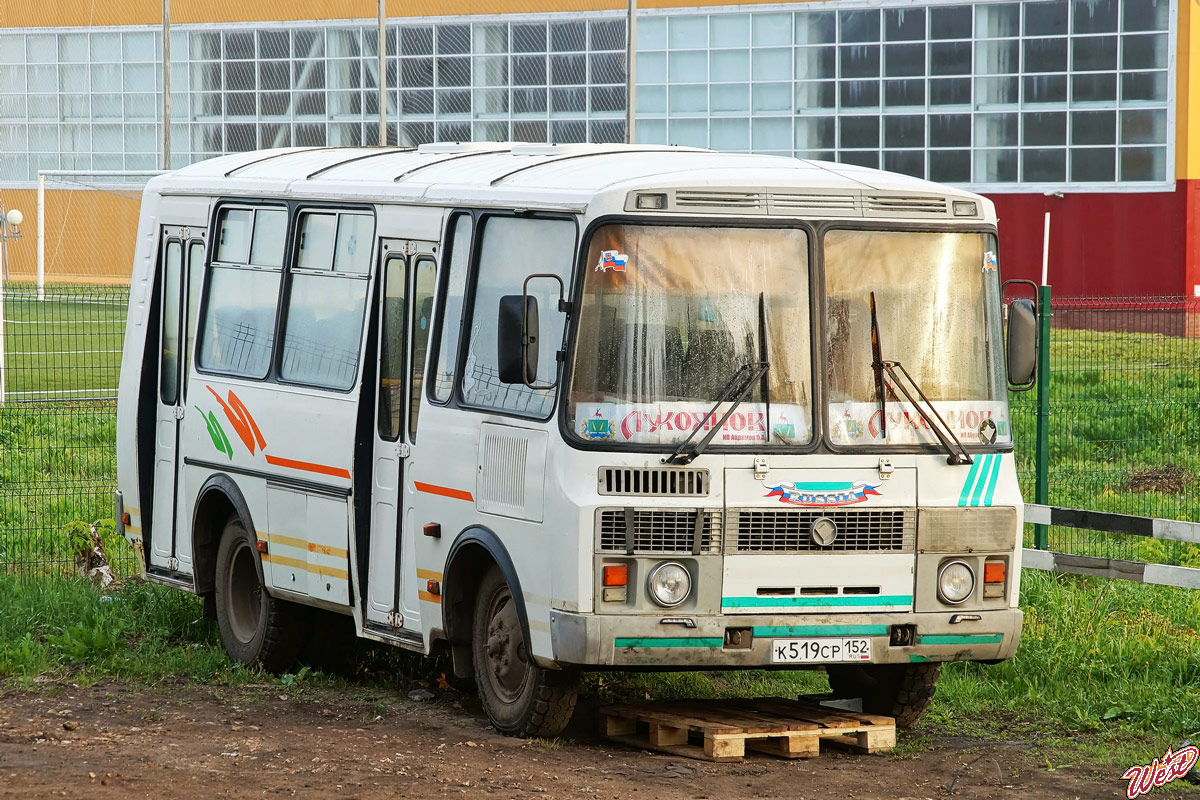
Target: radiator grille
[658,530]
[656,482]
[890,530]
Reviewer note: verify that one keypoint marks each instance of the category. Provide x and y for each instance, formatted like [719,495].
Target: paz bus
[554,408]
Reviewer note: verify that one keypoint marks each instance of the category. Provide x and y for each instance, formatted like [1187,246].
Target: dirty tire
[256,629]
[521,698]
[903,691]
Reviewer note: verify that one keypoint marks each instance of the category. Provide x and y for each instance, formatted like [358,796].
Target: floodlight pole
[383,73]
[630,71]
[166,98]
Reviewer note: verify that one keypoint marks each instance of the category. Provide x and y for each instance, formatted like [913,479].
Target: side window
[391,350]
[424,281]
[242,293]
[511,249]
[168,366]
[451,316]
[327,299]
[195,262]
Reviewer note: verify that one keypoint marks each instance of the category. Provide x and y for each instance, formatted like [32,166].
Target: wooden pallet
[719,730]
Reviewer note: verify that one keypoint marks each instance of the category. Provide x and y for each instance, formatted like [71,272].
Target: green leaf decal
[216,433]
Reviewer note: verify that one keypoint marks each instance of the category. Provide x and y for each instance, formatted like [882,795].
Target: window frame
[816,282]
[481,217]
[292,255]
[181,323]
[211,265]
[413,394]
[445,256]
[387,262]
[821,392]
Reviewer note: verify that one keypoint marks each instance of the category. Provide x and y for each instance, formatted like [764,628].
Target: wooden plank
[661,715]
[725,748]
[728,716]
[661,735]
[794,746]
[800,705]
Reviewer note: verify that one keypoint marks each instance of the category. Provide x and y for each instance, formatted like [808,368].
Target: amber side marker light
[616,575]
[995,575]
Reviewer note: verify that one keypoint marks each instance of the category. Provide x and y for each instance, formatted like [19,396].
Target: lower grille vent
[657,530]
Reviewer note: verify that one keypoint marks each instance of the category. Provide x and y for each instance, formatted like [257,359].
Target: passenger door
[181,264]
[407,276]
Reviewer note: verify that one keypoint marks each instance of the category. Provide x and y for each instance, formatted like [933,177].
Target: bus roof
[571,177]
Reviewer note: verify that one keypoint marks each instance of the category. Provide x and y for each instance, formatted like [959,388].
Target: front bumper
[649,641]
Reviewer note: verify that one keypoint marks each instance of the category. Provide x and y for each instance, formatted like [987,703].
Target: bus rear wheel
[256,629]
[903,691]
[521,698]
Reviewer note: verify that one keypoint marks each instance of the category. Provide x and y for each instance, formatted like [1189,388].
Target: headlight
[956,582]
[669,584]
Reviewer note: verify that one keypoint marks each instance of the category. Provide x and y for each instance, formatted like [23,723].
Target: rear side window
[242,295]
[327,298]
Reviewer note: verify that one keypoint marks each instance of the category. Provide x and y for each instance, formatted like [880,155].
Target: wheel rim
[507,657]
[244,592]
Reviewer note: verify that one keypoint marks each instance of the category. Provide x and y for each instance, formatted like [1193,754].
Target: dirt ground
[189,741]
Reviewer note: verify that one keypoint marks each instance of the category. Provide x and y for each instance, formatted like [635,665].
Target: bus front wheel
[521,698]
[903,691]
[256,629]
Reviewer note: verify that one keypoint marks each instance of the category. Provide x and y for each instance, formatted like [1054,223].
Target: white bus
[558,408]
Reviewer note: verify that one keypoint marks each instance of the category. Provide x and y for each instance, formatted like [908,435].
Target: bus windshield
[937,307]
[670,314]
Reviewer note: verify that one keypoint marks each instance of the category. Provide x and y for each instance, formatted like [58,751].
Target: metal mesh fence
[1124,420]
[60,362]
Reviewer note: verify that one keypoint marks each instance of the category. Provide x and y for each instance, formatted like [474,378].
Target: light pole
[10,228]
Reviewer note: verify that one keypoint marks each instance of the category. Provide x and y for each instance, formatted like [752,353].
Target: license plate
[823,650]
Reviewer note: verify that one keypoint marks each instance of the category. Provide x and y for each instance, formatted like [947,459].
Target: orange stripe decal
[307,466]
[431,598]
[456,494]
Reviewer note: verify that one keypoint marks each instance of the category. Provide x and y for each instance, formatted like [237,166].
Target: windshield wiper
[877,368]
[945,434]
[736,388]
[764,354]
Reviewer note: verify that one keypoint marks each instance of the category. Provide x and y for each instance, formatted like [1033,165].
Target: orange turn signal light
[125,518]
[261,545]
[994,572]
[433,587]
[616,575]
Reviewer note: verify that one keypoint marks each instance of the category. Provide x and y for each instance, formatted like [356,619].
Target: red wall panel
[1109,244]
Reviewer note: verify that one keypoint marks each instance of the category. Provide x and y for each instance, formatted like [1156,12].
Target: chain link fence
[61,359]
[1124,420]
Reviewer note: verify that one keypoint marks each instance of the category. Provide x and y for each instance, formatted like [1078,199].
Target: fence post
[1042,456]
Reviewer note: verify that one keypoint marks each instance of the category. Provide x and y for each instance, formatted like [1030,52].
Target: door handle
[403,450]
[179,412]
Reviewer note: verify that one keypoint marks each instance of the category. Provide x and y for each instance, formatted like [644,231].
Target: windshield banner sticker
[612,259]
[816,494]
[859,423]
[989,261]
[670,423]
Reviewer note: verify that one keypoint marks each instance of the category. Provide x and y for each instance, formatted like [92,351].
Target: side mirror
[1022,344]
[517,332]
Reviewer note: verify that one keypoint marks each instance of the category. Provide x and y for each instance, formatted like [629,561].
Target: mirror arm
[562,288]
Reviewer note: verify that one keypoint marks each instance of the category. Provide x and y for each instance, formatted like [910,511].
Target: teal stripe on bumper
[966,638]
[818,602]
[821,630]
[651,641]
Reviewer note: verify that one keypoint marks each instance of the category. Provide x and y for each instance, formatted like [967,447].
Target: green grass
[1099,675]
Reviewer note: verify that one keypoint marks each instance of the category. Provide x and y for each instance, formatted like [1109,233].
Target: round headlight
[669,584]
[956,582]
